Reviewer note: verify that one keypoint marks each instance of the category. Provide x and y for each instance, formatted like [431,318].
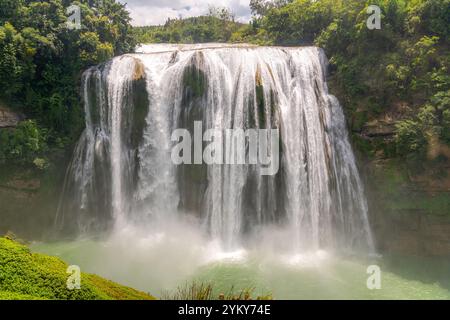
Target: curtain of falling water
[317,192]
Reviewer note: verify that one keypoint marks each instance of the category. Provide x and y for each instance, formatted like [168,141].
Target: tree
[41,60]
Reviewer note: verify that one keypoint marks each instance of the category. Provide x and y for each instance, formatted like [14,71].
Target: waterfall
[122,172]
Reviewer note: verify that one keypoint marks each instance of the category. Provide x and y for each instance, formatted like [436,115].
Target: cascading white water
[317,192]
[118,82]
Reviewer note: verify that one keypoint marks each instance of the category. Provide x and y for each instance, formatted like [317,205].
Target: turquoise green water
[339,279]
[161,268]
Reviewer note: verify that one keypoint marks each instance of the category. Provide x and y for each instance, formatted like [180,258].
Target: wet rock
[415,234]
[409,213]
[139,70]
[437,248]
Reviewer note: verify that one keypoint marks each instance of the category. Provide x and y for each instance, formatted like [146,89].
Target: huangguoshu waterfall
[121,172]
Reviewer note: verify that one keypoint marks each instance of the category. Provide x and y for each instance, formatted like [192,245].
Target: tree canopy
[41,61]
[406,61]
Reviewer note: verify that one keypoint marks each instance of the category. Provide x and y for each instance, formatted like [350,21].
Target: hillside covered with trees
[217,26]
[41,61]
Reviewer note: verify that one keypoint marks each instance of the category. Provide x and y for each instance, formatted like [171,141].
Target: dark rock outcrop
[8,118]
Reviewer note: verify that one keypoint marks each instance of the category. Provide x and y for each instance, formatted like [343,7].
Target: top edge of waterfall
[167,47]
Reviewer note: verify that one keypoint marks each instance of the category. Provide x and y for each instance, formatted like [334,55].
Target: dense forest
[218,25]
[41,61]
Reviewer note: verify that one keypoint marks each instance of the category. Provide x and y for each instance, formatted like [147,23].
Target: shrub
[26,275]
[23,143]
[204,291]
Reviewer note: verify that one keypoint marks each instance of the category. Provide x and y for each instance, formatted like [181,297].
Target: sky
[153,12]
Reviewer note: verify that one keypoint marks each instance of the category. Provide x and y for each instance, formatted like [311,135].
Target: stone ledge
[8,118]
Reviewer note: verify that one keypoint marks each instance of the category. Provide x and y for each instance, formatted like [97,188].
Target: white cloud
[153,12]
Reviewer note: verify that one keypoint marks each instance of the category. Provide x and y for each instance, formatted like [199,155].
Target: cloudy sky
[151,12]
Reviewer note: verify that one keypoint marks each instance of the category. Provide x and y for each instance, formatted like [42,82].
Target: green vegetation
[41,61]
[26,275]
[23,143]
[204,291]
[217,26]
[405,63]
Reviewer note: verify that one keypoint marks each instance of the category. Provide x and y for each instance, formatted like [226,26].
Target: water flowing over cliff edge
[122,174]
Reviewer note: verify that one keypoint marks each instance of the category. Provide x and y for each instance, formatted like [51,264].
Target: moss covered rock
[26,275]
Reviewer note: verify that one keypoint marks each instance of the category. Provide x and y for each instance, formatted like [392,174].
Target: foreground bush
[204,291]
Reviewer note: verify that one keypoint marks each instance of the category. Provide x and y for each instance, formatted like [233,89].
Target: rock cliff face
[413,233]
[28,199]
[409,213]
[409,209]
[8,118]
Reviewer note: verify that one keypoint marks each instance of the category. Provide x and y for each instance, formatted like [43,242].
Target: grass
[204,291]
[25,275]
